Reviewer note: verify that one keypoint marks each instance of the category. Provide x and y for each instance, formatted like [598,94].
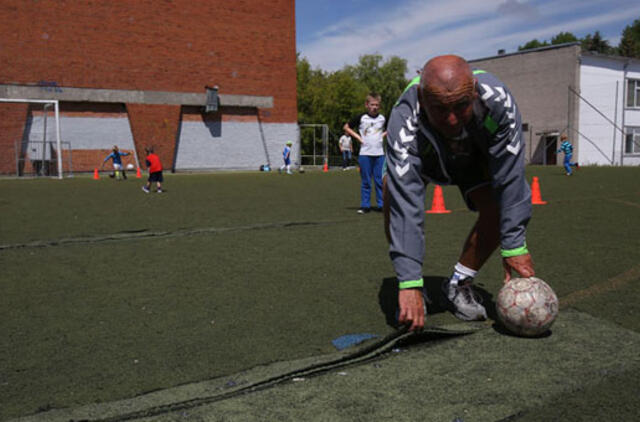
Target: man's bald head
[447,78]
[447,93]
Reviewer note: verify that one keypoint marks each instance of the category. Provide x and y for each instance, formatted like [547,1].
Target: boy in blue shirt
[117,162]
[567,148]
[286,156]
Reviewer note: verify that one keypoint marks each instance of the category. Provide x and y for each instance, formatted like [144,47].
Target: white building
[593,98]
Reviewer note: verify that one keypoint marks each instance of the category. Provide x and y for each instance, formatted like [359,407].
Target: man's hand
[411,308]
[522,264]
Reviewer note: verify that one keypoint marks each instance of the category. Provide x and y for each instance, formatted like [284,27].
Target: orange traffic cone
[96,176]
[437,206]
[326,167]
[536,197]
[138,175]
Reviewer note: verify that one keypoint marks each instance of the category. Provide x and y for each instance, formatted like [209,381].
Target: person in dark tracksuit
[454,125]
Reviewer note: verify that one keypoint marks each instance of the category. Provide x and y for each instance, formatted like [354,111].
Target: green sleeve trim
[414,81]
[478,72]
[409,284]
[490,124]
[507,253]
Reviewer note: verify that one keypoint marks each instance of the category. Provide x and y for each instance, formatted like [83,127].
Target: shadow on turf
[388,299]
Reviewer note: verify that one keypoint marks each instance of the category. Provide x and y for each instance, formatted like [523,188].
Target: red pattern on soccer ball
[527,306]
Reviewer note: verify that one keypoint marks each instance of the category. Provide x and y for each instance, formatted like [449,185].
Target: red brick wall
[243,46]
[246,47]
[155,126]
[14,117]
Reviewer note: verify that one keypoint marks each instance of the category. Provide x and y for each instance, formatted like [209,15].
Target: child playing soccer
[117,163]
[155,171]
[286,155]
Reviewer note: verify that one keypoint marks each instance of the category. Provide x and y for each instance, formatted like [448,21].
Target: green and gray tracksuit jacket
[490,150]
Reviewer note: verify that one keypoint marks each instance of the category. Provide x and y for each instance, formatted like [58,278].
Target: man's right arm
[406,194]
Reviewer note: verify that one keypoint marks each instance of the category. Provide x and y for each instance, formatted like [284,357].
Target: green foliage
[596,43]
[563,37]
[333,98]
[560,38]
[630,42]
[533,44]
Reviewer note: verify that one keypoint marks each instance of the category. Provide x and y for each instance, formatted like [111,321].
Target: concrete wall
[234,141]
[539,80]
[601,83]
[241,147]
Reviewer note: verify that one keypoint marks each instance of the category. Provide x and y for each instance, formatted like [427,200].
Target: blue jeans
[567,163]
[370,166]
[346,157]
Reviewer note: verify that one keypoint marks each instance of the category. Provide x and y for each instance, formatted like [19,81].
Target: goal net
[41,152]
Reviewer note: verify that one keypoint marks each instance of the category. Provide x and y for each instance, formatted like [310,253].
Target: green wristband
[410,284]
[507,253]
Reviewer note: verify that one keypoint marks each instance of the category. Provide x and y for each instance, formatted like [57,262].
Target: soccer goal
[314,144]
[46,156]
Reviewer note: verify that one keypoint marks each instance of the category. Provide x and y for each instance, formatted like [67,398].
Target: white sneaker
[144,188]
[464,301]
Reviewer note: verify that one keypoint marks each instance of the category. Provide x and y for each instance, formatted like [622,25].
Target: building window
[633,93]
[632,140]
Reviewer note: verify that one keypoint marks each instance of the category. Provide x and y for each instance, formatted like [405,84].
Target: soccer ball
[129,166]
[527,306]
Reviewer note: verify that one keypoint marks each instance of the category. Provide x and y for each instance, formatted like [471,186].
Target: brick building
[133,73]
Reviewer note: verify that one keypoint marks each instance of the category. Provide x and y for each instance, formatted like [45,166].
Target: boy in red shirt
[155,170]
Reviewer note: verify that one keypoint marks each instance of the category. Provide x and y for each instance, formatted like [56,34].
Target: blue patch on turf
[349,340]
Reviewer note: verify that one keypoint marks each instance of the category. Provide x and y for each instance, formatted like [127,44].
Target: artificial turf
[242,269]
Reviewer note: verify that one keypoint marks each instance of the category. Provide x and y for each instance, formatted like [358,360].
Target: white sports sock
[460,272]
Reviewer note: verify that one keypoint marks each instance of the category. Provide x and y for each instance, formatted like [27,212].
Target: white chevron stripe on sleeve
[488,92]
[404,137]
[514,149]
[401,151]
[402,170]
[410,125]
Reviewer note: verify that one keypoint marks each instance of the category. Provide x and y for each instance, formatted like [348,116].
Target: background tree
[533,44]
[630,42]
[333,98]
[596,43]
[563,37]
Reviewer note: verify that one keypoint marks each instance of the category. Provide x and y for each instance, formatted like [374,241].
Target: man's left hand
[522,264]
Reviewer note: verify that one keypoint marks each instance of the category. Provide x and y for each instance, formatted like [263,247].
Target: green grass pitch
[108,292]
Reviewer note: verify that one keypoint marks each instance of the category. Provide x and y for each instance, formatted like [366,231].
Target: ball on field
[527,306]
[130,166]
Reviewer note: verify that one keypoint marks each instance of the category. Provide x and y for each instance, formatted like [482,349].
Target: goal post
[56,108]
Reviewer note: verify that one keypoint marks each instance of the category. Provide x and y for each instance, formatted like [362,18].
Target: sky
[335,33]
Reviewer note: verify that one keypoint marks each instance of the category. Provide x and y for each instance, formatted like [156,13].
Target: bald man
[454,125]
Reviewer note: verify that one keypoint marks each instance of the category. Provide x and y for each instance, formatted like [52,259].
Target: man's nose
[452,119]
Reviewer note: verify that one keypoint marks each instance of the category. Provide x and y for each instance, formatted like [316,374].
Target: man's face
[449,114]
[373,106]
